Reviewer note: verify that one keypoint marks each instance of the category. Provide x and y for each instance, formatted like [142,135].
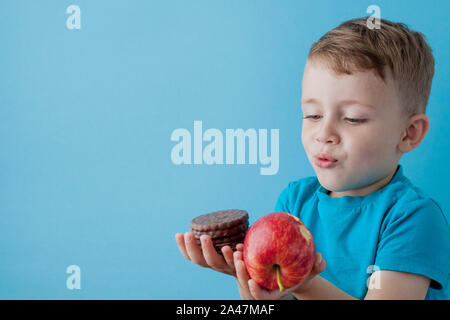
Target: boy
[364,95]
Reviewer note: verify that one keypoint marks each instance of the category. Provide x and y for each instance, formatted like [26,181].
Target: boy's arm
[390,285]
[321,289]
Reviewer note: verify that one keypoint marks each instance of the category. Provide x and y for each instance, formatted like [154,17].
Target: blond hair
[352,46]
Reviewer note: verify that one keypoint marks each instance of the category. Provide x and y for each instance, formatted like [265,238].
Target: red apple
[279,251]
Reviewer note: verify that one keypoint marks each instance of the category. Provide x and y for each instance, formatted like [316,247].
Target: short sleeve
[283,201]
[416,239]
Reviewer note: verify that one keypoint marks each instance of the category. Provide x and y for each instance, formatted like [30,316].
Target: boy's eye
[356,120]
[312,117]
[351,120]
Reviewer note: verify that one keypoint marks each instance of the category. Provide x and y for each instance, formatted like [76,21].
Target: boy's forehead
[320,83]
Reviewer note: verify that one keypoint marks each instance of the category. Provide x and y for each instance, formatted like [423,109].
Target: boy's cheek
[370,161]
[305,142]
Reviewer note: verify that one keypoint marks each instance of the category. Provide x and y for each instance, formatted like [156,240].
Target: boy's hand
[206,256]
[250,290]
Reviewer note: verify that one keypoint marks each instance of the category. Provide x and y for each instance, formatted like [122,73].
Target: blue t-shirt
[395,228]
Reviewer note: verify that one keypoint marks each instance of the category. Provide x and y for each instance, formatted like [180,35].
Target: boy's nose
[327,135]
[333,139]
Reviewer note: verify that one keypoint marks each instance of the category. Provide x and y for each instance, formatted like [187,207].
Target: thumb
[319,265]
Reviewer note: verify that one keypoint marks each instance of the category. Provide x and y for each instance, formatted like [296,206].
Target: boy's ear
[416,128]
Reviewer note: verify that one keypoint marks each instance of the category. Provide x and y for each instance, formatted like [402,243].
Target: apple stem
[280,285]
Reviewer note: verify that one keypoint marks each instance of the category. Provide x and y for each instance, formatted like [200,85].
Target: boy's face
[362,138]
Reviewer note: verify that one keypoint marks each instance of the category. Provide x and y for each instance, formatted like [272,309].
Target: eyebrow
[345,102]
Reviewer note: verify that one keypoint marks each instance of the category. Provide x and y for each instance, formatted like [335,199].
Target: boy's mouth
[324,161]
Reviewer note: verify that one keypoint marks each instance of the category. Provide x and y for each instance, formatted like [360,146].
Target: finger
[260,293]
[179,238]
[319,264]
[244,293]
[227,253]
[241,271]
[193,250]
[240,247]
[263,294]
[242,279]
[255,290]
[212,258]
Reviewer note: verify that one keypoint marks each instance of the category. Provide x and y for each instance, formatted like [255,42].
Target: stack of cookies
[226,227]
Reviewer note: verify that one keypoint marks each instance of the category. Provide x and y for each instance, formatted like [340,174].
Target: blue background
[86,176]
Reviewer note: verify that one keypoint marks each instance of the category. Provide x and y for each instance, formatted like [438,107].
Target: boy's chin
[330,185]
